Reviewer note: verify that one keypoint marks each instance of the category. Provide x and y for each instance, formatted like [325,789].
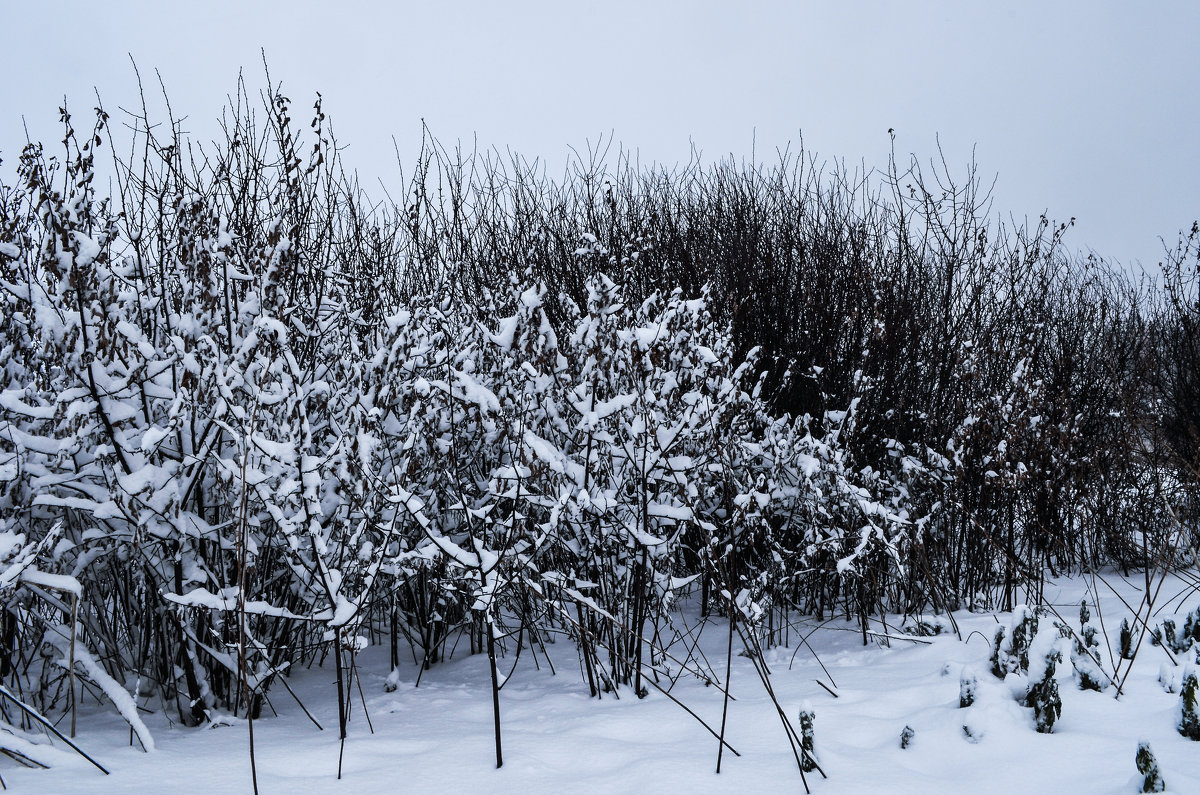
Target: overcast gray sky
[1085,109]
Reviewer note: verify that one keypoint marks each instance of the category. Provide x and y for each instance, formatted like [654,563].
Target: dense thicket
[251,418]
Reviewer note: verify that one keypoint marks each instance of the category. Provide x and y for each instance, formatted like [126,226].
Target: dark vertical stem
[730,568]
[491,648]
[728,672]
[341,691]
[241,610]
[195,713]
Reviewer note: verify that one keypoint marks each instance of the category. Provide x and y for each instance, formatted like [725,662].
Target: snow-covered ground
[438,737]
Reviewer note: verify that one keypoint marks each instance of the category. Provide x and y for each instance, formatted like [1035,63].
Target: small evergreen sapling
[1043,689]
[1126,640]
[1084,653]
[999,658]
[1191,628]
[1166,678]
[1180,641]
[1189,712]
[1025,627]
[967,685]
[808,757]
[906,736]
[1168,634]
[1010,649]
[1044,698]
[1147,765]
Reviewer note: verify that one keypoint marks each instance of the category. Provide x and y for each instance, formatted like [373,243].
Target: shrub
[1147,765]
[1189,711]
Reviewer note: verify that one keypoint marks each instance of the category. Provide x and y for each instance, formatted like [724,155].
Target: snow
[201,597]
[151,438]
[88,248]
[41,753]
[504,334]
[548,453]
[11,399]
[676,512]
[472,391]
[120,699]
[57,582]
[437,737]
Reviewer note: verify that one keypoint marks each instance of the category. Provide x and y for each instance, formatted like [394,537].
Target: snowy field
[438,737]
